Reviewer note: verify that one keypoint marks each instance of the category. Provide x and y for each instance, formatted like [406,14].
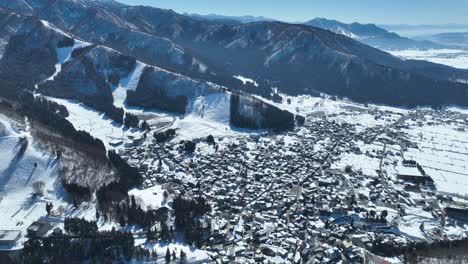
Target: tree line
[82,242]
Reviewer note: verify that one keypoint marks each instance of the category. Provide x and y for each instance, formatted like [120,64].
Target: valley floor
[346,177]
[449,57]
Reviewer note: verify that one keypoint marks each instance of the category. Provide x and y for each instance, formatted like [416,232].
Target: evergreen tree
[168,256]
[48,208]
[384,215]
[122,221]
[154,254]
[210,140]
[183,256]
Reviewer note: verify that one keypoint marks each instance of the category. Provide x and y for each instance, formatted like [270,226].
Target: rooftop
[9,235]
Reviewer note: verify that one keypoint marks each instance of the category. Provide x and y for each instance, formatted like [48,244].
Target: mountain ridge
[88,72]
[373,35]
[295,58]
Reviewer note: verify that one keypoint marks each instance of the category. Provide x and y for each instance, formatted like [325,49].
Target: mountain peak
[371,34]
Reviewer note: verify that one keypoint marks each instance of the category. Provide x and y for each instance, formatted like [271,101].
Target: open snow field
[96,123]
[443,152]
[194,255]
[450,57]
[150,198]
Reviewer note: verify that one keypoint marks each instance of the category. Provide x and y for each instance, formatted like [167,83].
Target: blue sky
[365,11]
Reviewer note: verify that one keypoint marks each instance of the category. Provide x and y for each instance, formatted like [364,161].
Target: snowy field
[450,57]
[193,254]
[443,152]
[96,123]
[150,198]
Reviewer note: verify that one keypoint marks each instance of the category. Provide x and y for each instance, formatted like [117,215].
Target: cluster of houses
[277,196]
[282,198]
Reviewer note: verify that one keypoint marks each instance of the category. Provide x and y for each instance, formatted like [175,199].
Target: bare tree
[38,188]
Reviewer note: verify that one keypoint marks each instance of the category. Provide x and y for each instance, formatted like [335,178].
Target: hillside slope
[22,164]
[295,58]
[43,58]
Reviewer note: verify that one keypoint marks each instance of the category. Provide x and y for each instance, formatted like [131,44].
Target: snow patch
[212,107]
[244,80]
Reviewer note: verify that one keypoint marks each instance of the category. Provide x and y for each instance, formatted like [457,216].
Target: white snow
[443,155]
[151,198]
[63,55]
[347,33]
[18,207]
[96,123]
[192,127]
[129,83]
[450,57]
[18,171]
[194,255]
[54,28]
[213,107]
[244,80]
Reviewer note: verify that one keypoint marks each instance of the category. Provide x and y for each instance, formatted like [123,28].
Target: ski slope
[129,83]
[63,55]
[213,107]
[18,207]
[96,123]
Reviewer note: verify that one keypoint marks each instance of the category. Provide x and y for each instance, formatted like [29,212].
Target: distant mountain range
[373,35]
[295,58]
[414,31]
[369,34]
[459,39]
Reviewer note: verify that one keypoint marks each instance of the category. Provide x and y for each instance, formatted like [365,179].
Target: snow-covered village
[136,134]
[352,180]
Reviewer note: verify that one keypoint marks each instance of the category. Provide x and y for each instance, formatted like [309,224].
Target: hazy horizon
[397,12]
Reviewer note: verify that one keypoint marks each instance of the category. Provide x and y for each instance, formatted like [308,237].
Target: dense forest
[81,242]
[245,112]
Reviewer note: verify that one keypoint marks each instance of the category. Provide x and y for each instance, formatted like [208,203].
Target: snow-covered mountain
[99,76]
[229,19]
[296,59]
[373,35]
